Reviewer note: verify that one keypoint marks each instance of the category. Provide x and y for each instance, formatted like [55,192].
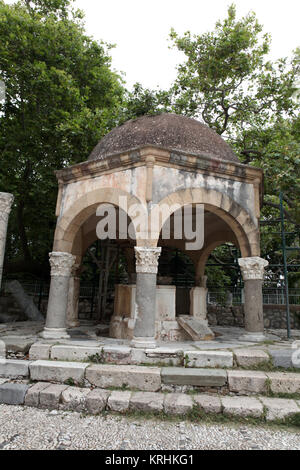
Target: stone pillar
[73,298]
[146,269]
[253,274]
[61,268]
[6,201]
[198,297]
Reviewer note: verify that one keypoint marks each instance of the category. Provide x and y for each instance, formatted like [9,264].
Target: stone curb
[62,397]
[120,354]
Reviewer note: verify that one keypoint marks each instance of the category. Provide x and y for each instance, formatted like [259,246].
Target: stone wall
[274,316]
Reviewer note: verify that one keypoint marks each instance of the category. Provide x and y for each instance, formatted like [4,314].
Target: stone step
[194,377]
[62,397]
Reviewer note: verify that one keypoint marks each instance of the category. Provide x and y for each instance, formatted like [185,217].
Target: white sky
[140,29]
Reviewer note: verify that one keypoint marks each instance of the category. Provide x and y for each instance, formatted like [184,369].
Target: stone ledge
[52,371]
[14,369]
[212,359]
[49,396]
[195,377]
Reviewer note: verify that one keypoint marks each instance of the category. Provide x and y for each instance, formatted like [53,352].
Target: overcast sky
[140,30]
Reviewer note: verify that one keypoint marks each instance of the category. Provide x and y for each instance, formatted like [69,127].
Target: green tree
[61,98]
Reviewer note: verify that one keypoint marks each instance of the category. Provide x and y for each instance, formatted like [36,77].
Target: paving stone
[74,398]
[250,357]
[284,382]
[117,354]
[2,350]
[63,352]
[242,406]
[14,369]
[51,371]
[247,381]
[178,404]
[208,403]
[135,377]
[279,408]
[209,358]
[50,397]
[96,400]
[119,401]
[196,377]
[18,344]
[13,394]
[33,395]
[40,351]
[283,358]
[147,401]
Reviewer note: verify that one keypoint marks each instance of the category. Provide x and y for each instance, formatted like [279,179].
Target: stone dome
[170,131]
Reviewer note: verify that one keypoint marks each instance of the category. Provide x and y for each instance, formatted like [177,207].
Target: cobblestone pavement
[28,428]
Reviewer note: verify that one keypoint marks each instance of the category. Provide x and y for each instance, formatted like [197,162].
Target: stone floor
[18,337]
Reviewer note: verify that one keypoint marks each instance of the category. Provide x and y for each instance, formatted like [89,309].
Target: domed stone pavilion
[156,166]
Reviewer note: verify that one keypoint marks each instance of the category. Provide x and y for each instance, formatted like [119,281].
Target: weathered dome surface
[165,130]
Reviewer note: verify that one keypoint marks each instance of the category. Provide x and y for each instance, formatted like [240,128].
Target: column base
[253,337]
[143,343]
[55,333]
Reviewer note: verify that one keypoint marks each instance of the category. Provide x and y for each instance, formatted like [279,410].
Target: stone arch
[201,264]
[69,224]
[245,230]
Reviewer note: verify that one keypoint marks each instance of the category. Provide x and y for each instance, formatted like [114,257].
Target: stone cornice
[202,163]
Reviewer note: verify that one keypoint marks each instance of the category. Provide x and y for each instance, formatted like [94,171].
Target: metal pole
[286,281]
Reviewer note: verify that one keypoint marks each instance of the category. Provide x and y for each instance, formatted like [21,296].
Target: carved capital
[253,267]
[6,201]
[147,260]
[61,264]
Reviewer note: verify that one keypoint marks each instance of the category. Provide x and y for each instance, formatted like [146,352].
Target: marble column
[73,298]
[61,268]
[6,201]
[146,270]
[253,274]
[198,297]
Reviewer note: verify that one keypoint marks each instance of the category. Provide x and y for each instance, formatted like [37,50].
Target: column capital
[61,263]
[147,259]
[253,267]
[6,201]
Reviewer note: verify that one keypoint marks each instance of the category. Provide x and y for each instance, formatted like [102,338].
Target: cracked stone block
[208,403]
[196,377]
[74,353]
[33,395]
[14,369]
[284,382]
[178,403]
[74,398]
[40,351]
[242,406]
[250,357]
[13,394]
[279,408]
[117,354]
[135,377]
[119,401]
[96,400]
[147,401]
[247,381]
[51,396]
[209,358]
[51,371]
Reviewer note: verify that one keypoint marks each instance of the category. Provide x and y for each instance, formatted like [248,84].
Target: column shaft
[61,266]
[6,201]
